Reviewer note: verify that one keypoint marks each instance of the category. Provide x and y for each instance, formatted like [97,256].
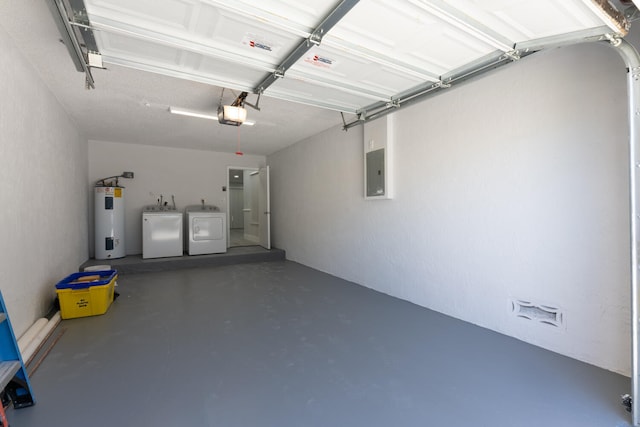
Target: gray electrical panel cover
[375,173]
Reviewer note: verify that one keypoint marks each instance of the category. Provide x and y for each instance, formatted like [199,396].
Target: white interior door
[264,209]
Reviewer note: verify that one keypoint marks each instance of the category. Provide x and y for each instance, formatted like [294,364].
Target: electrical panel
[378,158]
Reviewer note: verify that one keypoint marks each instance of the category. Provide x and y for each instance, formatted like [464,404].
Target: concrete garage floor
[282,345]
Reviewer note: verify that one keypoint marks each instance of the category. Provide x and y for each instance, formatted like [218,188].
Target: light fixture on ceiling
[202,115]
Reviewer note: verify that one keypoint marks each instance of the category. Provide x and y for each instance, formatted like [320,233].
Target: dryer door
[207,228]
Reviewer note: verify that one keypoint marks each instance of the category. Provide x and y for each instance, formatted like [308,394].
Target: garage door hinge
[315,38]
[514,55]
[80,17]
[395,103]
[614,39]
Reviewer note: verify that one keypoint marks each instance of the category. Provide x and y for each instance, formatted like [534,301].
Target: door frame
[264,207]
[228,198]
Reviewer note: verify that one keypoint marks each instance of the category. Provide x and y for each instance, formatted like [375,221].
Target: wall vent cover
[541,313]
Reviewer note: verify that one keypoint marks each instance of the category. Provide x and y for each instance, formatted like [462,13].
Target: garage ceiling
[343,56]
[309,61]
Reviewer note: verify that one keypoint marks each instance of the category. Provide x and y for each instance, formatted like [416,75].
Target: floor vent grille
[541,313]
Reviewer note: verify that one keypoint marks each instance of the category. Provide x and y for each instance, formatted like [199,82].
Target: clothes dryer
[206,230]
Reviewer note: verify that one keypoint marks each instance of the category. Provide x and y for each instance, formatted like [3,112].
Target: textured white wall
[512,186]
[43,175]
[189,175]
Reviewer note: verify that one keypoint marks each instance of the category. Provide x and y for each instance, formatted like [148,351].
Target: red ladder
[3,417]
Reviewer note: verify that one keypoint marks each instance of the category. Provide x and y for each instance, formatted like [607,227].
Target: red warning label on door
[261,43]
[321,61]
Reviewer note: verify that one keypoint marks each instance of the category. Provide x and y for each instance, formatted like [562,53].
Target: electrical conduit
[31,333]
[32,347]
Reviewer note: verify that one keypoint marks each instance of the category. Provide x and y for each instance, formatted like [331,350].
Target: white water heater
[109,222]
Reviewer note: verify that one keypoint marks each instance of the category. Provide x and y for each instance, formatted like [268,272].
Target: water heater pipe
[31,333]
[40,338]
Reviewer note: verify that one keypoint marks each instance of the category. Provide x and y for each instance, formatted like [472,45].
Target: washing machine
[161,232]
[206,230]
